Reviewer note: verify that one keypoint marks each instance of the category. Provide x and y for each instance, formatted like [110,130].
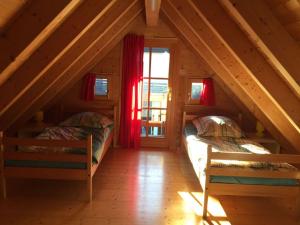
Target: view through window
[155,91]
[195,86]
[101,86]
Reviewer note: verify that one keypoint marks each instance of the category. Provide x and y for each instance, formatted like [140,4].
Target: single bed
[73,150]
[238,166]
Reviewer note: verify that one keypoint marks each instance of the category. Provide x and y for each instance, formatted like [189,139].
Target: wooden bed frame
[53,173]
[242,189]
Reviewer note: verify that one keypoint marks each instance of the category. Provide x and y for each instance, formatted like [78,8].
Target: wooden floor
[135,187]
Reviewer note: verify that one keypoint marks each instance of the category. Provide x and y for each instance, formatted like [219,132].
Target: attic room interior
[149,112]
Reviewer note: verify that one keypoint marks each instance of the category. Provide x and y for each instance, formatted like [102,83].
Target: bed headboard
[107,108]
[191,112]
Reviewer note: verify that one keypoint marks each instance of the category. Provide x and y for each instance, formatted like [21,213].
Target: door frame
[164,142]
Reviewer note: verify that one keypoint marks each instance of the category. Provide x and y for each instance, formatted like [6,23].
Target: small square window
[101,87]
[194,89]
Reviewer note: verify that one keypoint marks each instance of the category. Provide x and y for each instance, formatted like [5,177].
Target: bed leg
[297,209]
[207,178]
[205,202]
[90,189]
[3,181]
[89,177]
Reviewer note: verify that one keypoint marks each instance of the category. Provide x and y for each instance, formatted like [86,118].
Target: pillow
[217,126]
[88,119]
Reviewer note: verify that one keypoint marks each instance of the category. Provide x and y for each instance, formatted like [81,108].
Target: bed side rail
[249,172]
[48,155]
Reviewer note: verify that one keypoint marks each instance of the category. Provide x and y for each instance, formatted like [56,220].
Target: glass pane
[196,90]
[158,93]
[145,93]
[144,115]
[157,123]
[156,131]
[146,62]
[143,131]
[157,115]
[160,62]
[101,86]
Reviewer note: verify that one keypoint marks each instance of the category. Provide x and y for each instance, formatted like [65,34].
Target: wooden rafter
[18,42]
[254,70]
[251,69]
[269,36]
[109,32]
[152,8]
[198,31]
[50,53]
[258,113]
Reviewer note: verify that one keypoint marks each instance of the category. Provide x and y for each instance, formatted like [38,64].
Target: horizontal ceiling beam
[152,8]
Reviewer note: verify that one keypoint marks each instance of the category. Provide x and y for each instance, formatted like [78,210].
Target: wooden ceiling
[251,53]
[152,8]
[9,10]
[288,14]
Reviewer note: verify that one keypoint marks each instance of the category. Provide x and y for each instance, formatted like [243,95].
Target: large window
[155,91]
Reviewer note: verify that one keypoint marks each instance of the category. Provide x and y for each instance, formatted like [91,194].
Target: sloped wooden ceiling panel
[49,54]
[251,64]
[76,45]
[9,10]
[270,37]
[248,113]
[29,30]
[288,14]
[82,57]
[71,39]
[206,26]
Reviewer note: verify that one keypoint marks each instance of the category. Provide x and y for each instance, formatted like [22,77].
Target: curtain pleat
[132,78]
[207,96]
[88,87]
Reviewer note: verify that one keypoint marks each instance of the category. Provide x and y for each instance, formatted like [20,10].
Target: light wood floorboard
[136,187]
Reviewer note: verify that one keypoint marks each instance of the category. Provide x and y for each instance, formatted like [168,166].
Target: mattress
[197,152]
[99,138]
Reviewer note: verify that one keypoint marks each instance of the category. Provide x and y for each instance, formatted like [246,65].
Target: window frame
[148,124]
[189,83]
[109,89]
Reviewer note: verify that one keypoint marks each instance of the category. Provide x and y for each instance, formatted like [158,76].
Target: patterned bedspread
[72,133]
[198,145]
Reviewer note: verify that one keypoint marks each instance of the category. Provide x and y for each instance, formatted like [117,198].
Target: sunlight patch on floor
[193,202]
[190,203]
[214,222]
[214,206]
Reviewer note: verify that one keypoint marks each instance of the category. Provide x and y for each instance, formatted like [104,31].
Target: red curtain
[132,77]
[207,96]
[88,87]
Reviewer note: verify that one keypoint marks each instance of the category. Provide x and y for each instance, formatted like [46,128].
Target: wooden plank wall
[188,65]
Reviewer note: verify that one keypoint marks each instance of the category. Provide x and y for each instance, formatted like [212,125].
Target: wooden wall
[187,65]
